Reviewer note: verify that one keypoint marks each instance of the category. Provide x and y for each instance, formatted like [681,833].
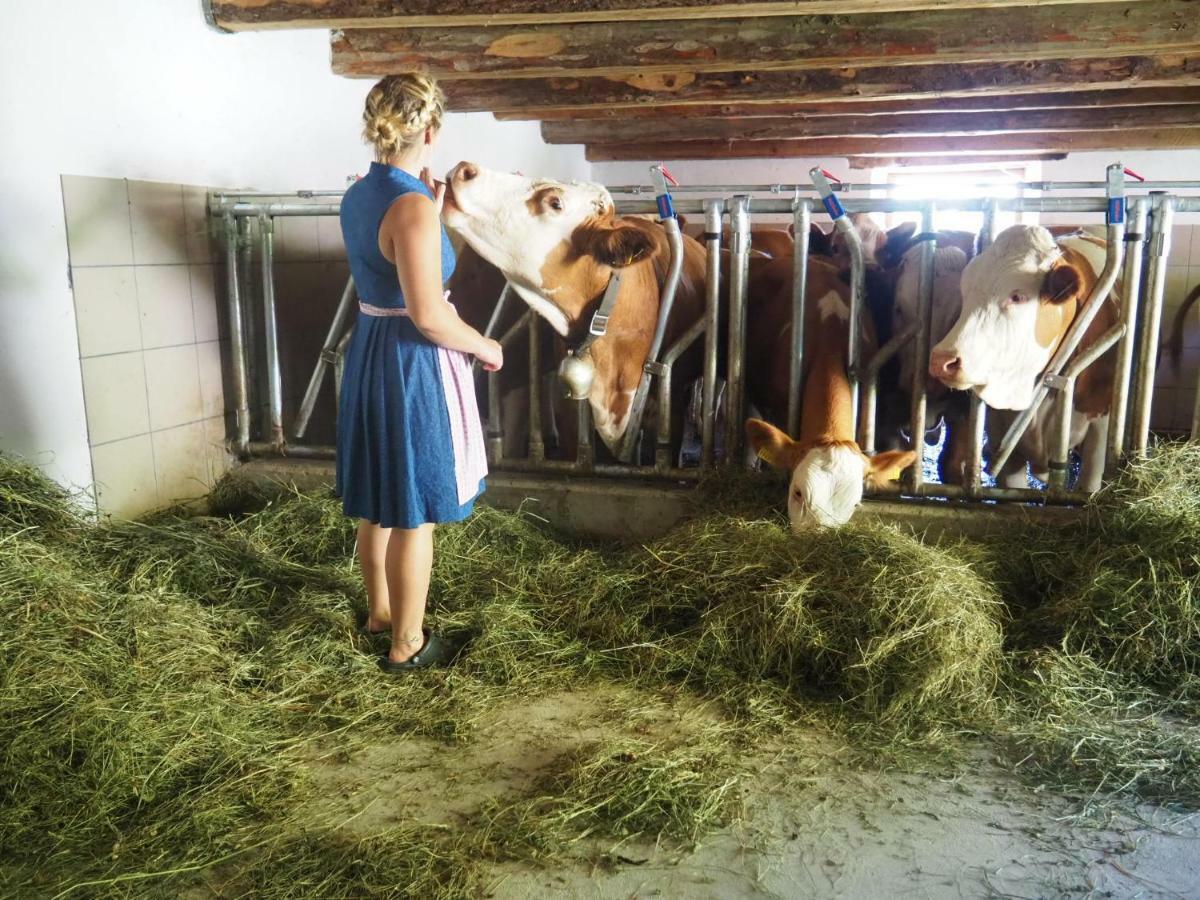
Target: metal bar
[537,444]
[976,409]
[955,492]
[1195,434]
[270,329]
[662,455]
[251,319]
[801,222]
[854,187]
[1160,247]
[585,456]
[870,383]
[325,358]
[1083,318]
[637,407]
[495,432]
[739,283]
[1060,447]
[714,211]
[1135,240]
[236,339]
[497,310]
[920,373]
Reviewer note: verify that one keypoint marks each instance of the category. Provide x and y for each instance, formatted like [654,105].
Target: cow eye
[798,495]
[555,203]
[1017,297]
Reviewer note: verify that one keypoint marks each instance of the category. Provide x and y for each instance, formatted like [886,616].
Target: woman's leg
[372,556]
[409,564]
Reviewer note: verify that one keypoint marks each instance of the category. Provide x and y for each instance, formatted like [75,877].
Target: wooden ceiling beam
[252,15]
[993,159]
[762,44]
[800,107]
[897,125]
[1008,144]
[918,82]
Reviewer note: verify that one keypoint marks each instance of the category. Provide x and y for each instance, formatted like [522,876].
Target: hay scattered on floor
[161,682]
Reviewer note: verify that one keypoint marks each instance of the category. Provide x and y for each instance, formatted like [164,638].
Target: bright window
[958,183]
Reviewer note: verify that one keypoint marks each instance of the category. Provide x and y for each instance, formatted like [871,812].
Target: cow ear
[771,445]
[1063,282]
[818,240]
[887,466]
[896,244]
[616,245]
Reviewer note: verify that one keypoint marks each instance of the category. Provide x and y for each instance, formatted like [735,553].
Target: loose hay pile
[164,683]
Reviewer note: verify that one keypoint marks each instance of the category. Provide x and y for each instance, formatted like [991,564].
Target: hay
[164,682]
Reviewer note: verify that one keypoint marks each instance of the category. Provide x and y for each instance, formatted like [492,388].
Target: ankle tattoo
[413,640]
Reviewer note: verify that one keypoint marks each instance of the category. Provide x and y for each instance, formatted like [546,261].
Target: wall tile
[1185,401]
[181,463]
[106,310]
[296,239]
[165,302]
[173,385]
[212,394]
[204,302]
[114,394]
[158,230]
[329,237]
[98,222]
[1194,259]
[1181,245]
[197,224]
[124,475]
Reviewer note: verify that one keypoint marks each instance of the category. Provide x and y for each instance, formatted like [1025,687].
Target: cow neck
[580,335]
[1093,388]
[828,411]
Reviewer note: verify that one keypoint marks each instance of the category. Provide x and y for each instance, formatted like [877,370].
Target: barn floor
[812,825]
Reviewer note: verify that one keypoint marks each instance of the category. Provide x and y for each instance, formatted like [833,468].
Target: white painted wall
[145,90]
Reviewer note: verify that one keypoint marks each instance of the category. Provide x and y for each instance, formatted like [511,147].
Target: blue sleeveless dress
[395,450]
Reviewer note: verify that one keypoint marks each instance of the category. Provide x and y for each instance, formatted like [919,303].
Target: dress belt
[368,310]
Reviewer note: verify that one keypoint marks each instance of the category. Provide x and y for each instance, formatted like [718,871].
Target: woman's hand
[437,188]
[491,355]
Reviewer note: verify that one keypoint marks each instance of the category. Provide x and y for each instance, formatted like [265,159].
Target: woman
[409,446]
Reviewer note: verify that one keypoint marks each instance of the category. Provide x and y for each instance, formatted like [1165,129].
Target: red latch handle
[1133,174]
[667,175]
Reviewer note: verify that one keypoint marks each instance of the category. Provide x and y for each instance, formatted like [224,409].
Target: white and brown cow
[828,469]
[558,244]
[1020,296]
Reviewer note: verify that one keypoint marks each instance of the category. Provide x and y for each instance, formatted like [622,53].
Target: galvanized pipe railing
[1115,212]
[1131,285]
[662,455]
[713,212]
[857,187]
[326,358]
[495,435]
[1060,447]
[919,402]
[870,384]
[271,331]
[237,346]
[857,280]
[976,409]
[739,282]
[537,444]
[1160,245]
[801,223]
[637,406]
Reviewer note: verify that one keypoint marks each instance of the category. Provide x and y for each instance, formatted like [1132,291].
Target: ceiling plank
[762,44]
[898,125]
[250,15]
[995,159]
[838,84]
[801,107]
[1015,144]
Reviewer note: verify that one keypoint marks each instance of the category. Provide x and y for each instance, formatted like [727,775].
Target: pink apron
[466,430]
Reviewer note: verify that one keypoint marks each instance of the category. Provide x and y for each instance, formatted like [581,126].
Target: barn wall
[146,91]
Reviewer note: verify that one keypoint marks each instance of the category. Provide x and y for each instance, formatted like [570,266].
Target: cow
[1019,298]
[559,244]
[827,468]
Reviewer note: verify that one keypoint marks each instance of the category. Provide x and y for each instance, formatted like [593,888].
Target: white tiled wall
[1175,391]
[150,345]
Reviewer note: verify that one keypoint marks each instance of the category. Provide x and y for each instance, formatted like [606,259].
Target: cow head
[1019,297]
[827,478]
[555,242]
[946,303]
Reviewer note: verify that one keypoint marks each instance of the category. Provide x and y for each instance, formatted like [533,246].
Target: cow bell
[577,373]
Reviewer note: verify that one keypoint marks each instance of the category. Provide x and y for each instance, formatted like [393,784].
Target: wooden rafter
[1014,144]
[762,44]
[891,82]
[897,125]
[245,15]
[801,107]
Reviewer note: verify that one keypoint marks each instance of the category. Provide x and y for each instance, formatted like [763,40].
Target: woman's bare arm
[410,237]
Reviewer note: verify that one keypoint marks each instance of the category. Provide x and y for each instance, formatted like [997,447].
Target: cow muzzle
[577,373]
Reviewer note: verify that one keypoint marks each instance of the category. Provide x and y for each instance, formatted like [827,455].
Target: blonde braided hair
[398,111]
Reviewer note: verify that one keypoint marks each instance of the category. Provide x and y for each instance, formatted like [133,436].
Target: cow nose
[944,365]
